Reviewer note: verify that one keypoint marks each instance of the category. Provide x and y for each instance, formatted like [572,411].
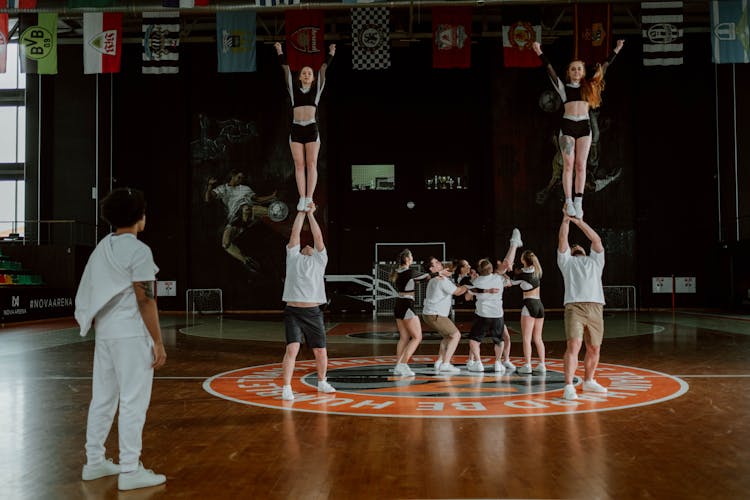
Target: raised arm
[296,230]
[284,68]
[537,47]
[315,229]
[324,66]
[611,58]
[562,236]
[596,241]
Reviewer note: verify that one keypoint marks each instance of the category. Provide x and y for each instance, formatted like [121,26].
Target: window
[12,78]
[373,177]
[12,143]
[12,208]
[12,134]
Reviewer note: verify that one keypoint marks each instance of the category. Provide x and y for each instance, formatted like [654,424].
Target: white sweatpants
[122,374]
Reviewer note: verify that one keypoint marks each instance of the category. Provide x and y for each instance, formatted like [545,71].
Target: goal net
[204,301]
[620,298]
[386,255]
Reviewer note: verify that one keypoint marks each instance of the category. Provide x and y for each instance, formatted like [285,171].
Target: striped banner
[730,31]
[161,43]
[662,33]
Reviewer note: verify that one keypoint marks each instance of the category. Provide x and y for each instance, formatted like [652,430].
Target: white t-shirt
[234,197]
[439,297]
[582,275]
[489,305]
[305,276]
[120,318]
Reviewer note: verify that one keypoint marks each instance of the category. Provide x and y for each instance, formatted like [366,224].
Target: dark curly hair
[123,207]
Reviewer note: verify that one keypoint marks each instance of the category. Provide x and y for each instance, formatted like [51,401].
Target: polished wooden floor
[694,446]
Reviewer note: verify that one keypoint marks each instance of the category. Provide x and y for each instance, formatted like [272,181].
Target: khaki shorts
[581,317]
[441,324]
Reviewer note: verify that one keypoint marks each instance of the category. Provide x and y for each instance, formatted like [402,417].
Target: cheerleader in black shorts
[409,327]
[532,314]
[578,94]
[304,140]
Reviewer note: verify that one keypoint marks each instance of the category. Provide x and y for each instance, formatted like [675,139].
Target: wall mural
[243,185]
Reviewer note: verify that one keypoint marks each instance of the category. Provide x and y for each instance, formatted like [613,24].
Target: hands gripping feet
[303,205]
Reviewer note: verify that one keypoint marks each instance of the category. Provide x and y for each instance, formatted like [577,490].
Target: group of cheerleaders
[484,287]
[578,94]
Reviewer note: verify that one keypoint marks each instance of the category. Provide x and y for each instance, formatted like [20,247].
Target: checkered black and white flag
[371,48]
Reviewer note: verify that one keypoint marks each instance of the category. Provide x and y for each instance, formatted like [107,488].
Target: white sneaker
[525,369]
[569,392]
[142,478]
[106,468]
[302,204]
[286,393]
[476,366]
[403,370]
[324,386]
[578,205]
[499,368]
[509,367]
[594,386]
[569,208]
[437,364]
[541,368]
[308,201]
[515,238]
[449,368]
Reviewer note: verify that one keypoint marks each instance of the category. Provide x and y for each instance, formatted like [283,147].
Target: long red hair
[591,88]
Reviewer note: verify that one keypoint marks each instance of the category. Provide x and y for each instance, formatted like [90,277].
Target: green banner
[38,43]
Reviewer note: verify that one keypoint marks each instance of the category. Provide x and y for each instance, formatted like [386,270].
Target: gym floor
[674,424]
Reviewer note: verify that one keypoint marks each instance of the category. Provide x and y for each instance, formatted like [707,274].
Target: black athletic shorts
[532,307]
[481,326]
[304,133]
[575,129]
[404,308]
[307,323]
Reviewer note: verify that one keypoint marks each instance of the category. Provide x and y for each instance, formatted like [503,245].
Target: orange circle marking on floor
[366,386]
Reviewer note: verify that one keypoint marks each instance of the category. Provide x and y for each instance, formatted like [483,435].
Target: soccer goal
[620,298]
[204,301]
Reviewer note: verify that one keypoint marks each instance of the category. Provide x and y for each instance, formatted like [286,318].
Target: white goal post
[620,298]
[384,294]
[204,301]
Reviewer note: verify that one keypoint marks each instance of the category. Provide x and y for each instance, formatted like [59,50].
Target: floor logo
[367,386]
